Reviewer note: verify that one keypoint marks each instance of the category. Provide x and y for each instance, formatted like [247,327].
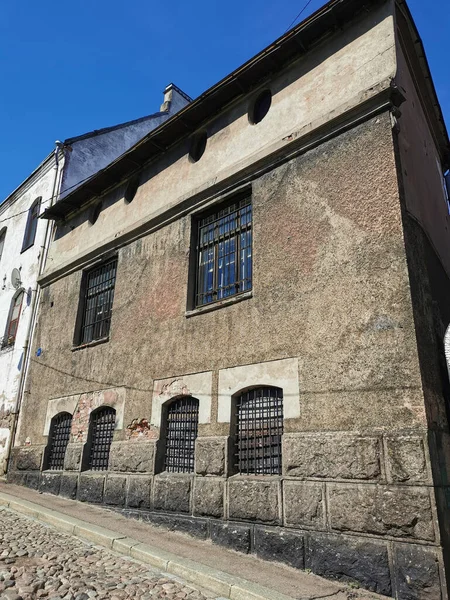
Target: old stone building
[242,322]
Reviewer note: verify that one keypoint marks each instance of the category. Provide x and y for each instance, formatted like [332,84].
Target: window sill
[219,304]
[91,344]
[25,248]
[6,349]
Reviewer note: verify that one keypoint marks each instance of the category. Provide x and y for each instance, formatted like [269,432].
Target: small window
[198,146]
[101,431]
[13,320]
[131,189]
[58,440]
[224,253]
[447,189]
[180,428]
[32,221]
[2,241]
[260,107]
[259,429]
[95,213]
[97,301]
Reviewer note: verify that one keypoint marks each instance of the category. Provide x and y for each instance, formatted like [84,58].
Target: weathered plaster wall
[339,74]
[13,216]
[331,312]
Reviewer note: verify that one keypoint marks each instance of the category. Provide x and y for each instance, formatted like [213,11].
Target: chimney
[174,99]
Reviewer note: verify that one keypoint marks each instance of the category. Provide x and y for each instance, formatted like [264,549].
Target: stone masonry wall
[331,299]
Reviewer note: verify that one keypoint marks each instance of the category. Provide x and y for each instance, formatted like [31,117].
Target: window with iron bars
[224,253]
[97,302]
[58,440]
[101,431]
[180,427]
[259,430]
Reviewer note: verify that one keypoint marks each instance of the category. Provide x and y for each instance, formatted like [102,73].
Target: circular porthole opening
[131,189]
[260,107]
[198,146]
[95,213]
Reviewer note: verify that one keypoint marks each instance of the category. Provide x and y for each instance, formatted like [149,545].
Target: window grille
[259,430]
[13,320]
[98,302]
[224,253]
[32,221]
[58,440]
[181,433]
[102,425]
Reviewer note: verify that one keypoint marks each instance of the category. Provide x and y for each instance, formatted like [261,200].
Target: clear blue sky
[70,67]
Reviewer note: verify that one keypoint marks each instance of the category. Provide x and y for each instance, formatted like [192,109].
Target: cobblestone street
[37,561]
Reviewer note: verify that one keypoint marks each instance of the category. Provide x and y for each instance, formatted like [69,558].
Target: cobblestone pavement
[37,561]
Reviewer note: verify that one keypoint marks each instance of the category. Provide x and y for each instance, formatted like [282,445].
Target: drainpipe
[34,308]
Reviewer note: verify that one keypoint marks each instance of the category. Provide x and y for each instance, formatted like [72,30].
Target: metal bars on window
[58,440]
[181,432]
[102,426]
[259,430]
[98,302]
[224,253]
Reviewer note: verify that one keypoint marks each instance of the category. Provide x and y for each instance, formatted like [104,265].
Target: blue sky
[70,67]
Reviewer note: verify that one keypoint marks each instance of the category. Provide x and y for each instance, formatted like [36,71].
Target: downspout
[34,308]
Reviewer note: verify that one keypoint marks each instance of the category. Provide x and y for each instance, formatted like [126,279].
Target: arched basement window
[101,431]
[58,440]
[259,428]
[180,429]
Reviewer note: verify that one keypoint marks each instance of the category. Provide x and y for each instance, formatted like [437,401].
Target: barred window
[224,253]
[32,221]
[13,319]
[97,303]
[180,428]
[101,431]
[58,440]
[259,428]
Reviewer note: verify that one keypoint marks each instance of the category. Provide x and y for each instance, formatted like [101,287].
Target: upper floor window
[224,253]
[32,221]
[12,323]
[96,302]
[259,429]
[179,432]
[101,430]
[2,241]
[58,440]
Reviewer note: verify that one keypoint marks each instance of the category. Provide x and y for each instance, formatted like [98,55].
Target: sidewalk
[230,574]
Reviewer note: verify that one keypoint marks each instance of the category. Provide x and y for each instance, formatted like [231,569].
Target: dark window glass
[13,321]
[32,220]
[2,241]
[98,301]
[198,146]
[260,107]
[259,429]
[225,253]
[101,432]
[181,428]
[58,440]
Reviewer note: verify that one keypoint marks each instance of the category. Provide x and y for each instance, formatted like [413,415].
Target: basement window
[101,431]
[179,432]
[57,442]
[224,253]
[259,430]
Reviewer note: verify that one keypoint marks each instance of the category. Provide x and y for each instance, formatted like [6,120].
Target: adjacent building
[255,300]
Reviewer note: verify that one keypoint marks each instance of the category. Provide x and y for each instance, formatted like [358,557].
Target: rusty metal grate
[259,429]
[224,253]
[59,438]
[98,302]
[181,432]
[102,431]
